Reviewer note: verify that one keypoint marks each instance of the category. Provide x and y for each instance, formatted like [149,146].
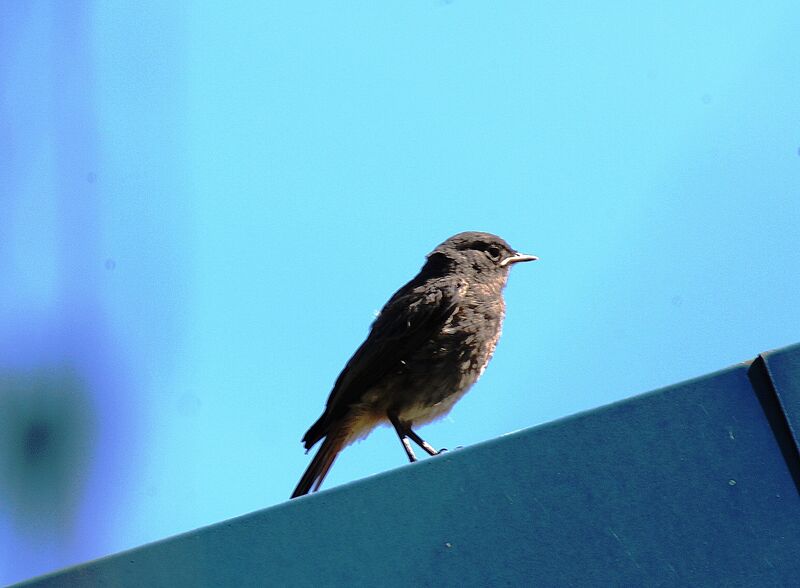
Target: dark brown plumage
[428,345]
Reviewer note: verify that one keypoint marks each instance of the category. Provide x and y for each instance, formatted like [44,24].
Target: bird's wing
[411,317]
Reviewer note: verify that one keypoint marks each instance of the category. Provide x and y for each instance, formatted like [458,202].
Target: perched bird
[428,345]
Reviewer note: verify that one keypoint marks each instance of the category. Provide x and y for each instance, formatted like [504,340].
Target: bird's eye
[493,253]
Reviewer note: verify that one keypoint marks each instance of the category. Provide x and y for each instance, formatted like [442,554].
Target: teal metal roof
[694,484]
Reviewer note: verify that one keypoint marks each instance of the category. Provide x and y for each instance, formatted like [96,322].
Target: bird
[426,347]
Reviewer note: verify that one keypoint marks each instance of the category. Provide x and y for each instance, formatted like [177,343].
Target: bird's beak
[517,258]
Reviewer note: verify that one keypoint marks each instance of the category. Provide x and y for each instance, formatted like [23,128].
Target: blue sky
[202,208]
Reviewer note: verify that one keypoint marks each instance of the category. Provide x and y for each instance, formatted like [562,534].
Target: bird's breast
[436,375]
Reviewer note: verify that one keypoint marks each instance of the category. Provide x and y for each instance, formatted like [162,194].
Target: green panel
[783,366]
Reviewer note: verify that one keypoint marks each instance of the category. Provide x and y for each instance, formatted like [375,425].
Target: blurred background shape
[202,208]
[47,432]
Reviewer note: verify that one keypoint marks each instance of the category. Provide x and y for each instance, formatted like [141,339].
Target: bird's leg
[402,433]
[422,443]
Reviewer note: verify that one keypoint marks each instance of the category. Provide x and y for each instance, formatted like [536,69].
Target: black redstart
[428,345]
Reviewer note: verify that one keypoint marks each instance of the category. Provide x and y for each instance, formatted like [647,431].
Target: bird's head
[483,254]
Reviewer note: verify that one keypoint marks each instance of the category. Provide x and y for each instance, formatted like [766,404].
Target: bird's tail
[320,464]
